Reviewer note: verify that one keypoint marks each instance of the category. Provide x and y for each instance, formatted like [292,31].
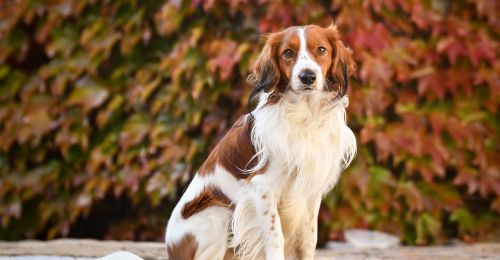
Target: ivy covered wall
[107,108]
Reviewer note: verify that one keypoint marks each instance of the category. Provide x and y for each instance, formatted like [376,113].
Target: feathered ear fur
[342,63]
[266,74]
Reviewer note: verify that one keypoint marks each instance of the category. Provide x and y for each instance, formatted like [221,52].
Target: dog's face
[304,58]
[301,61]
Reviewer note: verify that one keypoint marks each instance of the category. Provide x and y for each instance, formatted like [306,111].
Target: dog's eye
[288,53]
[321,50]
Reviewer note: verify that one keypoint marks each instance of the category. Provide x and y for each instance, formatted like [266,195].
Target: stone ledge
[155,250]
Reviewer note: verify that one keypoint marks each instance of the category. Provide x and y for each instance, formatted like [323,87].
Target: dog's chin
[306,90]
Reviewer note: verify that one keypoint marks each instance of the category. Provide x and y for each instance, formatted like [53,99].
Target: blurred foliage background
[107,108]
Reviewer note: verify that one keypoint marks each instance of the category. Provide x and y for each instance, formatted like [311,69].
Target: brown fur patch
[209,197]
[185,249]
[234,152]
[267,75]
[343,64]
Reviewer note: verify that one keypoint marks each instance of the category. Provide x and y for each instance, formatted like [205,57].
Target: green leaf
[88,94]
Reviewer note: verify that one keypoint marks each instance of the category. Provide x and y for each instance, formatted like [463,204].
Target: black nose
[307,77]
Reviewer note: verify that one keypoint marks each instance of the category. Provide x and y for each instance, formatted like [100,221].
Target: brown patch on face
[336,62]
[209,197]
[342,64]
[234,152]
[185,249]
[272,71]
[290,42]
[316,38]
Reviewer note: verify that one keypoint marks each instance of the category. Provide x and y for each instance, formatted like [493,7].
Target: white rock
[338,245]
[370,239]
[121,255]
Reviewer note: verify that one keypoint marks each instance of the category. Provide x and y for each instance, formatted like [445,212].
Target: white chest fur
[308,138]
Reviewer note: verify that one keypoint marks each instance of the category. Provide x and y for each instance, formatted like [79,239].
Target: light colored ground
[70,249]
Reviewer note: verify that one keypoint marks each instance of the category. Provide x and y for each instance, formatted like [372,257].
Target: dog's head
[301,61]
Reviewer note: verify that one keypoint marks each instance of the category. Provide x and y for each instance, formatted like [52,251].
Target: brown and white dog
[258,194]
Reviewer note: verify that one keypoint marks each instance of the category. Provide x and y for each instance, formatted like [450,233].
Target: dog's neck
[307,135]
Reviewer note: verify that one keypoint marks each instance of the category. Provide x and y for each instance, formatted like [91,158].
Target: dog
[258,194]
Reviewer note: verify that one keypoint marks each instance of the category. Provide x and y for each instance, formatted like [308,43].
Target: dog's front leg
[309,231]
[266,203]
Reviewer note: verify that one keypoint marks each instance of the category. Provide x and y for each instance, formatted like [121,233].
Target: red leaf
[483,49]
[452,47]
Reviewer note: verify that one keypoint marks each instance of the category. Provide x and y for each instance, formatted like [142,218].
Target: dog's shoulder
[234,152]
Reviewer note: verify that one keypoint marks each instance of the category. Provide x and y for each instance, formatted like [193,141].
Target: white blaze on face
[305,62]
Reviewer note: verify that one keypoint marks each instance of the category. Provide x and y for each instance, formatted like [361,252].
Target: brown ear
[342,63]
[266,74]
